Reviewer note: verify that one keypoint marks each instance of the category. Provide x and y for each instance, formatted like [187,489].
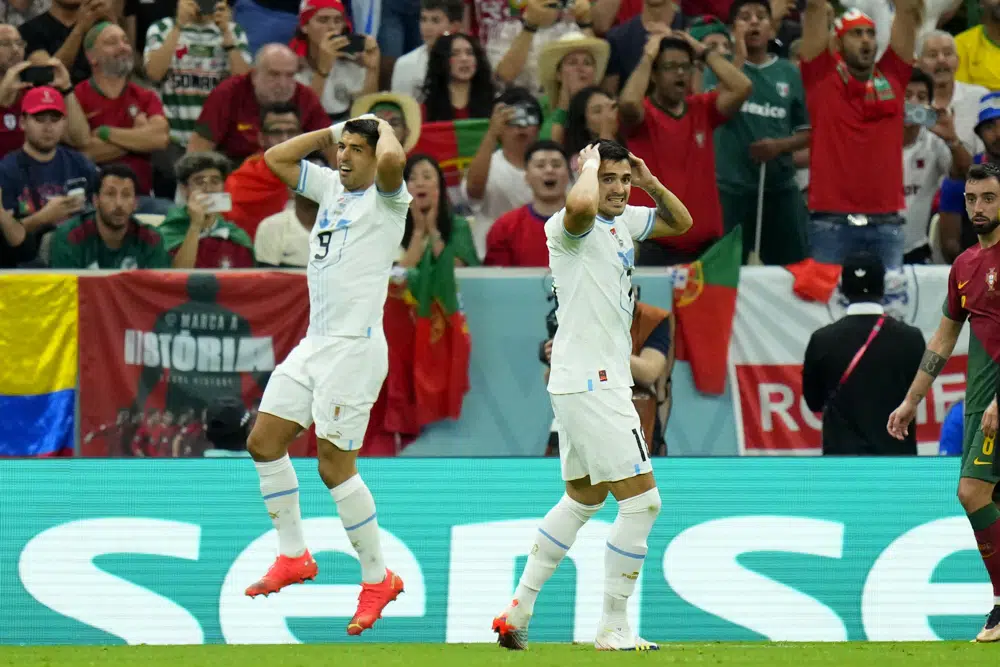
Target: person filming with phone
[931,151]
[339,65]
[198,235]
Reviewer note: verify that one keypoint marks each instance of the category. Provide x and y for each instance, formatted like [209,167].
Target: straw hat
[411,112]
[553,53]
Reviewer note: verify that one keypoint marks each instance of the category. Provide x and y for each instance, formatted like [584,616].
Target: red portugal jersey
[517,238]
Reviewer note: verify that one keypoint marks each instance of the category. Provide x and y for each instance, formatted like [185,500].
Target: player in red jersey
[973,294]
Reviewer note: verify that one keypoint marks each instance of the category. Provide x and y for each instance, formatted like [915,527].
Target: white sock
[356,508]
[556,535]
[280,488]
[626,551]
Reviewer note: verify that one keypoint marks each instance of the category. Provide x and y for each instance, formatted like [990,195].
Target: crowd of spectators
[132,131]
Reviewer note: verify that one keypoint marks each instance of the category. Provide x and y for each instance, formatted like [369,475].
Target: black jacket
[854,421]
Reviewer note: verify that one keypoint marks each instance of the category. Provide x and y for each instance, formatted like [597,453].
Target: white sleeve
[559,237]
[639,221]
[942,156]
[397,202]
[266,245]
[315,182]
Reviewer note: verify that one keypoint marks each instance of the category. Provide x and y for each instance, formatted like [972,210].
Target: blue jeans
[262,25]
[399,30]
[832,238]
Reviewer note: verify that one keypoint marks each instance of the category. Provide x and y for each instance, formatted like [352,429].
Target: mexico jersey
[352,247]
[592,276]
[974,294]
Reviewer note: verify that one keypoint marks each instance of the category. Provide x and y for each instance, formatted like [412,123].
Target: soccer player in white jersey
[600,438]
[334,374]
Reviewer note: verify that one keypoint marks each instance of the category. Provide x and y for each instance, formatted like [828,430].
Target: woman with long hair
[328,63]
[459,82]
[432,231]
[592,115]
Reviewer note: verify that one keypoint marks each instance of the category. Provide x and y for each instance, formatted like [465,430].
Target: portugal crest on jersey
[783,88]
[991,279]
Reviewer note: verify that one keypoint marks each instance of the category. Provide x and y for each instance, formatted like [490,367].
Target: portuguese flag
[429,348]
[452,143]
[705,304]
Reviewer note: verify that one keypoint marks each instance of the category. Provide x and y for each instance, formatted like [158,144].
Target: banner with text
[770,333]
[797,549]
[157,348]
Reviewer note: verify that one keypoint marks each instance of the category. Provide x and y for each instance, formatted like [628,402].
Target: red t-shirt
[218,253]
[854,163]
[230,117]
[517,238]
[680,152]
[121,112]
[11,134]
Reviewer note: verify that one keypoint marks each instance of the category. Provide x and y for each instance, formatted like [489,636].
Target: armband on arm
[932,363]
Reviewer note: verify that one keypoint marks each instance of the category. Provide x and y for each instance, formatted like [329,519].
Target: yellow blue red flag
[38,348]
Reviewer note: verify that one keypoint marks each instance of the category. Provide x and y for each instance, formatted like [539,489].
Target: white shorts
[333,381]
[600,435]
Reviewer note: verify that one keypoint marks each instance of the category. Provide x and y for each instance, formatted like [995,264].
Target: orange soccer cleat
[372,600]
[285,571]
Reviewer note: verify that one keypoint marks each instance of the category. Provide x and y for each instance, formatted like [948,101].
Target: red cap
[307,10]
[43,98]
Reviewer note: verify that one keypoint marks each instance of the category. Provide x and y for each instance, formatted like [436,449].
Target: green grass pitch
[856,654]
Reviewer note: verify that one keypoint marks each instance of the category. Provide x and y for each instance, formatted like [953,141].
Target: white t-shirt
[506,190]
[501,37]
[883,12]
[965,107]
[592,278]
[352,246]
[346,80]
[281,240]
[409,73]
[925,165]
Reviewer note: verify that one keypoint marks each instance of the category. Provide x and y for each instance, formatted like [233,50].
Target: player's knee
[647,503]
[974,494]
[263,448]
[335,465]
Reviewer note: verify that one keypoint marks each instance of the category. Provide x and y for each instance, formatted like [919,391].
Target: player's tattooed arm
[932,363]
[672,216]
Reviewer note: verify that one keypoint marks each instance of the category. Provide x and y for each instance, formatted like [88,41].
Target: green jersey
[77,244]
[776,109]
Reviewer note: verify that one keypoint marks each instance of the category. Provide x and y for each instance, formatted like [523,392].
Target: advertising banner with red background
[158,347]
[770,333]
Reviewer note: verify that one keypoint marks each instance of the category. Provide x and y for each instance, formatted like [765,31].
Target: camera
[551,325]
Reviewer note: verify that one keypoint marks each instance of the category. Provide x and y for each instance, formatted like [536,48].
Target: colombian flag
[38,346]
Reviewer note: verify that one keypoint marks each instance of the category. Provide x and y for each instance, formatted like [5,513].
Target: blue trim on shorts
[358,525]
[281,493]
[590,385]
[636,468]
[554,540]
[625,553]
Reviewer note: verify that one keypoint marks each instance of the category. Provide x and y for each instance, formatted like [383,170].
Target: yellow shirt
[978,59]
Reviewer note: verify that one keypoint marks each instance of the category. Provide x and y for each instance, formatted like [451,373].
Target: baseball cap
[43,98]
[989,108]
[863,275]
[226,423]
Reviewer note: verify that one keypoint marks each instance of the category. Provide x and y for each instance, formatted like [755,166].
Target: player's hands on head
[990,420]
[900,419]
[589,154]
[642,177]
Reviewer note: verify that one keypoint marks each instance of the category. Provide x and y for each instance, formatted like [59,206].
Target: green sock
[985,517]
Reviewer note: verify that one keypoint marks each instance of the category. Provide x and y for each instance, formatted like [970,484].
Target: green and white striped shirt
[199,64]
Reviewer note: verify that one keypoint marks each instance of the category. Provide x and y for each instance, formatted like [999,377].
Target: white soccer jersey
[592,275]
[351,250]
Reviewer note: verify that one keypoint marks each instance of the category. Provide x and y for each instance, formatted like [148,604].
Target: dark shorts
[977,451]
[783,232]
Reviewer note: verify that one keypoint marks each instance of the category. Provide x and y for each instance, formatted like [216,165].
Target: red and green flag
[704,305]
[429,349]
[453,143]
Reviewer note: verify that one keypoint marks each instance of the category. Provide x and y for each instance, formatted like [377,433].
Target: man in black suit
[856,389]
